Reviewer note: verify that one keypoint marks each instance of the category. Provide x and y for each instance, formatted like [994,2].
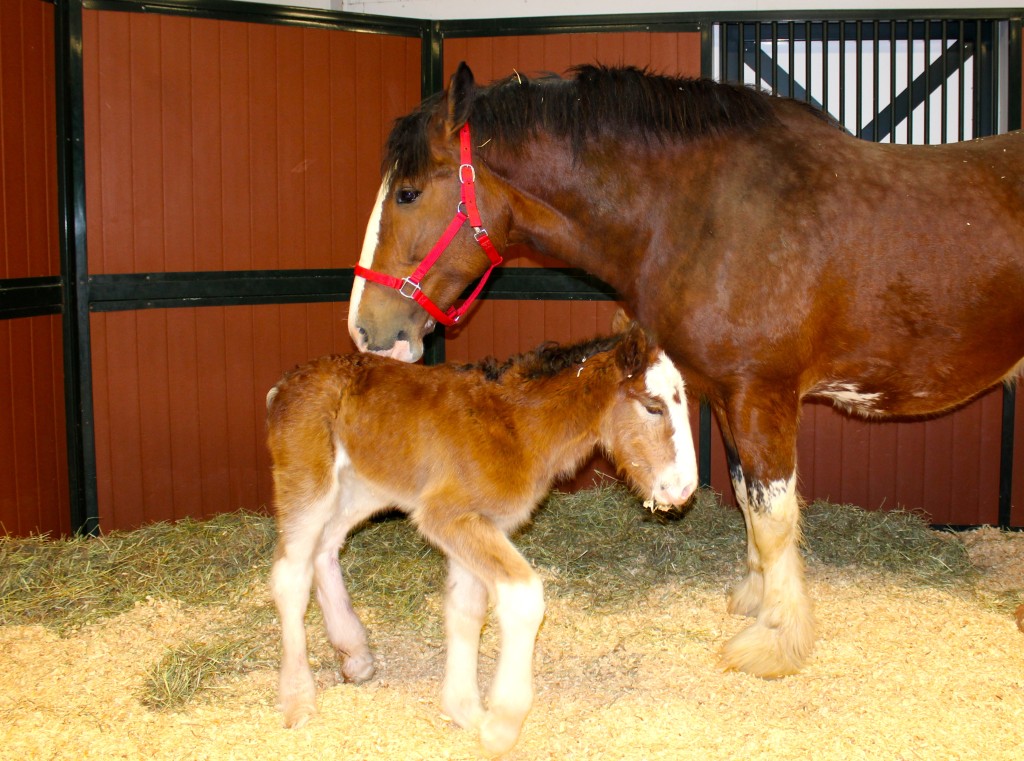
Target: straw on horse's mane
[546,361]
[625,102]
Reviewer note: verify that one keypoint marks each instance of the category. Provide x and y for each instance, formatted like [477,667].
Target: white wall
[450,9]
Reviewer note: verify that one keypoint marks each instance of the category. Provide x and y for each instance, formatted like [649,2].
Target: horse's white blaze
[370,240]
[678,481]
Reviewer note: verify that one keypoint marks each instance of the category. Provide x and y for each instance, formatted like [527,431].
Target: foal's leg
[781,638]
[464,612]
[344,629]
[290,580]
[483,549]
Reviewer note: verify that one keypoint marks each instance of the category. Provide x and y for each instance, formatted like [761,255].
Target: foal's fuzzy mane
[546,361]
[625,102]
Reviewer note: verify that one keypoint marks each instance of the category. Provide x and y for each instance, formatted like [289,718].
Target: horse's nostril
[402,336]
[361,331]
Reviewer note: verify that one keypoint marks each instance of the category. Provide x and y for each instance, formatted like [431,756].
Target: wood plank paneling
[33,448]
[28,164]
[180,399]
[218,145]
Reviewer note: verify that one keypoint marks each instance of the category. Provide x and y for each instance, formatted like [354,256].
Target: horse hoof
[358,669]
[298,715]
[768,652]
[467,713]
[745,598]
[498,734]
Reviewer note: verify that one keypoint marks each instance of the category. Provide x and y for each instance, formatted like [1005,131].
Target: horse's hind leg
[290,580]
[344,629]
[464,613]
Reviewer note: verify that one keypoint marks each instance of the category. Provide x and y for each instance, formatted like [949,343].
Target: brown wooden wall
[220,145]
[33,449]
[216,145]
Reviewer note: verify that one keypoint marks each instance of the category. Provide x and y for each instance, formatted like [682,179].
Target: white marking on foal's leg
[370,239]
[520,609]
[465,610]
[290,579]
[780,640]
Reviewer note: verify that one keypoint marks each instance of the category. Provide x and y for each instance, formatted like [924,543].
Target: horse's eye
[406,195]
[654,408]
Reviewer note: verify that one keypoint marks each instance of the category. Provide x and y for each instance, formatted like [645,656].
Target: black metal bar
[225,10]
[30,297]
[168,290]
[704,444]
[432,81]
[77,349]
[1007,438]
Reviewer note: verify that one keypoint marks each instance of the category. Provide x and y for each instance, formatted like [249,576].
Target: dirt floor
[899,672]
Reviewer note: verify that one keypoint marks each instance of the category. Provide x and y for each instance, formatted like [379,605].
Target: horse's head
[647,432]
[430,232]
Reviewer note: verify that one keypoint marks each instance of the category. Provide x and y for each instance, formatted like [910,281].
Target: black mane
[546,361]
[624,102]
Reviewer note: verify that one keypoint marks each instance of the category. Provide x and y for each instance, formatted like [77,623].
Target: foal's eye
[654,408]
[406,195]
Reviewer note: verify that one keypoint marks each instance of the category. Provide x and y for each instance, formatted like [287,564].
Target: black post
[81,445]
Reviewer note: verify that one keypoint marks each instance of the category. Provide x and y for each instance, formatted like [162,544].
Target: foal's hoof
[357,669]
[498,733]
[298,714]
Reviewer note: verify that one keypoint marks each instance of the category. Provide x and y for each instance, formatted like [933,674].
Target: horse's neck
[551,215]
[565,413]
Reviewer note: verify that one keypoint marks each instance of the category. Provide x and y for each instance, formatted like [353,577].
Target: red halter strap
[466,210]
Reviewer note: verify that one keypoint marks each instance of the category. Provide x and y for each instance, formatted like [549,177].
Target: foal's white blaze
[677,482]
[370,240]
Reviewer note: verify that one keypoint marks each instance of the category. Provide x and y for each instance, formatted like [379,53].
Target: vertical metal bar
[77,349]
[775,58]
[432,81]
[944,127]
[927,83]
[1007,440]
[704,444]
[876,76]
[757,55]
[826,35]
[960,76]
[859,59]
[807,62]
[842,75]
[892,82]
[910,83]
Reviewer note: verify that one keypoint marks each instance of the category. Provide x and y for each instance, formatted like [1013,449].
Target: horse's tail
[271,395]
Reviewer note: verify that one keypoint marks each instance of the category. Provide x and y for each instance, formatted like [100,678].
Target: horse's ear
[461,92]
[620,321]
[633,350]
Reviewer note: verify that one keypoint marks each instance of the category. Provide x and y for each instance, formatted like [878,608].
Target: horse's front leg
[764,475]
[746,597]
[483,550]
[465,610]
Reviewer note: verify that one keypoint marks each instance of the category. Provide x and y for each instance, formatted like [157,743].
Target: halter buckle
[408,281]
[472,173]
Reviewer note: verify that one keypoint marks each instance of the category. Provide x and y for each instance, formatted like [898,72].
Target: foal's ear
[461,93]
[633,350]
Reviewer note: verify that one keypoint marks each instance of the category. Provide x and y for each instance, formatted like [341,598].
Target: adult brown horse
[771,254]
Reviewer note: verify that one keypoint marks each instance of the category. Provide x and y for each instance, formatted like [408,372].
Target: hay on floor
[162,643]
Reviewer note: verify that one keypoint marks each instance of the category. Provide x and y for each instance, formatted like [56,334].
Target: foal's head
[647,431]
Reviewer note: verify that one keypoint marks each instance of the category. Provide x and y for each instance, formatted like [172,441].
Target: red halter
[467,209]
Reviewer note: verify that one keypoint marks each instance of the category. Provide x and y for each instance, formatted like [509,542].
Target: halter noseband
[467,209]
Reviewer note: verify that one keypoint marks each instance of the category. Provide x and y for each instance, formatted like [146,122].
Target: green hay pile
[599,547]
